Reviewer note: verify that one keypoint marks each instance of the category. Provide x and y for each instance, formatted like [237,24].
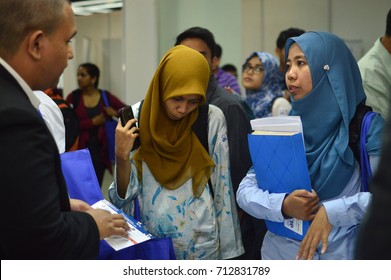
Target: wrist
[283,208]
[121,159]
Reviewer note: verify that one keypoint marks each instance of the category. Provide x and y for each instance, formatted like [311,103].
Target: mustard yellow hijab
[171,150]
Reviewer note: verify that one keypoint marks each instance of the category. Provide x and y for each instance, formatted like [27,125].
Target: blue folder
[281,166]
[82,184]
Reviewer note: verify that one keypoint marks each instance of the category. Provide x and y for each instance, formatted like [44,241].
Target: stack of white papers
[278,124]
[136,233]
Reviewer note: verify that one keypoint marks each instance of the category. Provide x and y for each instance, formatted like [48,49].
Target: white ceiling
[89,7]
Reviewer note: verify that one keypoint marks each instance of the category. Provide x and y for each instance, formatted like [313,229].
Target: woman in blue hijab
[325,85]
[260,78]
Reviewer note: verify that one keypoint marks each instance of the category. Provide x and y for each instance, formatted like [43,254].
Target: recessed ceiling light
[85,8]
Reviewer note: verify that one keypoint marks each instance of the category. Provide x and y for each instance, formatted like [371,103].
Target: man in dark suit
[238,127]
[38,220]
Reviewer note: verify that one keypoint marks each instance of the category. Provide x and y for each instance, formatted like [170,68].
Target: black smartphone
[126,114]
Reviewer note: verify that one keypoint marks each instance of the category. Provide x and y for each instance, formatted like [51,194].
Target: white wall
[102,31]
[240,26]
[221,17]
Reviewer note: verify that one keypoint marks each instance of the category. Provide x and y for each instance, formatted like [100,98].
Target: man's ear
[215,63]
[36,44]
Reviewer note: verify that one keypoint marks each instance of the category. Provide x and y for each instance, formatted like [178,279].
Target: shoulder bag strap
[366,171]
[105,99]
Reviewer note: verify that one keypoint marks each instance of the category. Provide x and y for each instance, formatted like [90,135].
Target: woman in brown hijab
[169,173]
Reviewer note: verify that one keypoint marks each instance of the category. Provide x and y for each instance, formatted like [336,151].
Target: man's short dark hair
[200,33]
[229,67]
[286,34]
[388,27]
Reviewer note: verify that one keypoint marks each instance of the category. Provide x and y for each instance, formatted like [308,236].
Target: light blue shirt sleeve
[257,202]
[349,210]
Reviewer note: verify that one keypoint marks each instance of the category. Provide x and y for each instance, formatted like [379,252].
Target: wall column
[140,47]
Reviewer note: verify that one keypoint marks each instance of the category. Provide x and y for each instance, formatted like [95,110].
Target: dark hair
[92,70]
[19,18]
[286,34]
[229,67]
[388,26]
[219,51]
[200,33]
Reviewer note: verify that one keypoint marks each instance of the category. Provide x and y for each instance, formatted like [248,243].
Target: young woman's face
[253,74]
[180,106]
[84,79]
[298,76]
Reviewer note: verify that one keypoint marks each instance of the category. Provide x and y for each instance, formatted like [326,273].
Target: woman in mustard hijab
[169,173]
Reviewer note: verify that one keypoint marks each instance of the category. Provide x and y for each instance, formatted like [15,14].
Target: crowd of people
[192,175]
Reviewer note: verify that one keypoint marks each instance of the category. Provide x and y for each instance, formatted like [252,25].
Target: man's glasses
[256,69]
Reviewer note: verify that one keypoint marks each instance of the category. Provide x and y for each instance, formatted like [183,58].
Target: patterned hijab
[261,100]
[327,110]
[170,148]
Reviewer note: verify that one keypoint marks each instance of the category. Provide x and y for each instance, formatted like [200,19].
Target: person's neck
[90,90]
[386,42]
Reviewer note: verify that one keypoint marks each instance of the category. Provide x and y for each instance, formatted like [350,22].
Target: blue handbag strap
[136,213]
[366,172]
[105,99]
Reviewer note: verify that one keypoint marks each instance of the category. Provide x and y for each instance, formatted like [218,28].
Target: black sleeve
[36,222]
[238,128]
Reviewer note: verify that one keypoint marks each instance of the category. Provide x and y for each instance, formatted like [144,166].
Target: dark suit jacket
[238,127]
[374,238]
[36,221]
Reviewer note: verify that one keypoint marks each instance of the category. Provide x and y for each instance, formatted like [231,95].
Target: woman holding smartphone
[169,173]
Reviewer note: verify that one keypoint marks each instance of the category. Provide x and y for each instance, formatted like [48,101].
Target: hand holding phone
[126,114]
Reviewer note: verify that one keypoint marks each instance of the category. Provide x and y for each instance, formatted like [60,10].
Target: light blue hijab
[261,100]
[327,110]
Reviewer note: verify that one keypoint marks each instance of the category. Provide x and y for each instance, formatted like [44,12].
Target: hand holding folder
[278,155]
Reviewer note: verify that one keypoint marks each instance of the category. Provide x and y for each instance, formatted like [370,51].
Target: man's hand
[109,224]
[79,205]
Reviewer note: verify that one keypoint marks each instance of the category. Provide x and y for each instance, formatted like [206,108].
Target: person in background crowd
[230,68]
[224,79]
[92,112]
[375,67]
[280,52]
[238,128]
[263,91]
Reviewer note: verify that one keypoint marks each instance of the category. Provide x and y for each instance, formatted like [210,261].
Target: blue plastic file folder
[281,167]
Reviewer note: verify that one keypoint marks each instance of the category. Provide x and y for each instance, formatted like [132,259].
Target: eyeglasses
[256,69]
